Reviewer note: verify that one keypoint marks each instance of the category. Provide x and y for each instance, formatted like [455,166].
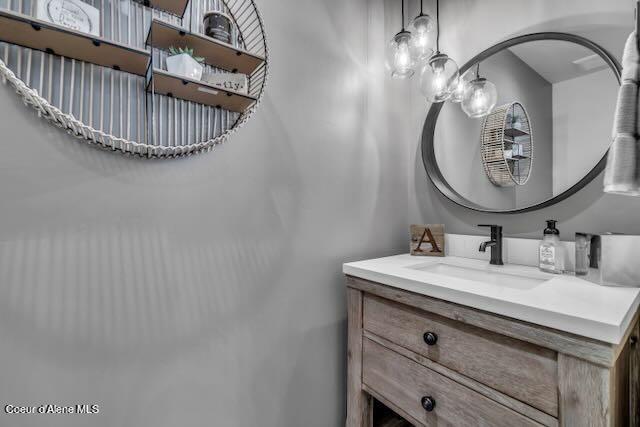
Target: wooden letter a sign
[427,240]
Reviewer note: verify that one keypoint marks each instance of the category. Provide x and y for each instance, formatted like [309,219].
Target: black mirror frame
[428,130]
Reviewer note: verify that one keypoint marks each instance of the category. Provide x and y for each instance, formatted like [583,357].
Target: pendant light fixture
[399,59]
[463,83]
[439,76]
[421,35]
[479,97]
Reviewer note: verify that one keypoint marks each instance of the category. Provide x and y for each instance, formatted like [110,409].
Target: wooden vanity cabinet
[437,363]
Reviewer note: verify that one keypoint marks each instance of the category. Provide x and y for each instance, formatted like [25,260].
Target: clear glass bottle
[583,241]
[551,252]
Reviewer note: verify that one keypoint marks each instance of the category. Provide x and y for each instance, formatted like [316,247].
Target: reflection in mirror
[550,127]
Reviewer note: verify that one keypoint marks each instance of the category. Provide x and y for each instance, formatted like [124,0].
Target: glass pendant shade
[479,98]
[399,59]
[439,78]
[463,83]
[422,37]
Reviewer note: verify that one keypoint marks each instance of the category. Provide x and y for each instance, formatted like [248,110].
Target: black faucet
[495,243]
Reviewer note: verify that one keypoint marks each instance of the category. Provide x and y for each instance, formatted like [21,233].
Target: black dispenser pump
[551,227]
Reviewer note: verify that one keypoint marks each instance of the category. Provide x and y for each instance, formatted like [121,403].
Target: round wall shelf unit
[99,69]
[507,145]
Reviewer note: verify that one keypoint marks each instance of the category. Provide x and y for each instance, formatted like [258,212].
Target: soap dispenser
[551,253]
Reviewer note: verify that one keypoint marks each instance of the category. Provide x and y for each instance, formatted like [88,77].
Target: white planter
[184,65]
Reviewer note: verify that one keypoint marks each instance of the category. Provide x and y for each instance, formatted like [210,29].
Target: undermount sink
[505,276]
[523,292]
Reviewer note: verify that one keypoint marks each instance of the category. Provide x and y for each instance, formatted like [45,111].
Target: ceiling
[558,61]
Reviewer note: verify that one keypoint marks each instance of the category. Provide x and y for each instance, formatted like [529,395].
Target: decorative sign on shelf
[230,81]
[74,14]
[427,240]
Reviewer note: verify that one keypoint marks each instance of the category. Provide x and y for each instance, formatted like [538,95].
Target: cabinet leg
[359,403]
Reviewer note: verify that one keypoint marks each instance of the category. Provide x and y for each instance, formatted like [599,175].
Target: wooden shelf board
[23,30]
[174,7]
[163,35]
[513,132]
[166,83]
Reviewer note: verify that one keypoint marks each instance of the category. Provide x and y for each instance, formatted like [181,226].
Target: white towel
[626,118]
[630,59]
[622,175]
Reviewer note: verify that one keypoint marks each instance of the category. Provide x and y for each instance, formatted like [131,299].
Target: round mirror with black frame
[547,137]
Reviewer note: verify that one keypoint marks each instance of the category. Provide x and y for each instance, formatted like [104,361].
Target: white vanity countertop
[562,302]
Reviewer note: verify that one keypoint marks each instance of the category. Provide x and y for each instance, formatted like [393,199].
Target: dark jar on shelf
[218,26]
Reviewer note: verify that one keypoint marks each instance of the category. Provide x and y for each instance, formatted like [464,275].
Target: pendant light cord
[437,26]
[421,10]
[402,8]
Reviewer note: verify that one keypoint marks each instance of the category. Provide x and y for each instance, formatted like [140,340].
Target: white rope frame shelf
[201,121]
[507,149]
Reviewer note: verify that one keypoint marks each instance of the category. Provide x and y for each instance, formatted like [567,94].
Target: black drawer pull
[428,403]
[430,338]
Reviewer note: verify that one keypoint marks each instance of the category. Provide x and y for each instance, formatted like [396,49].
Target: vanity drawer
[521,370]
[405,383]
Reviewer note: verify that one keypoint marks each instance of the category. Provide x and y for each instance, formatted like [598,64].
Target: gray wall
[457,137]
[207,290]
[466,32]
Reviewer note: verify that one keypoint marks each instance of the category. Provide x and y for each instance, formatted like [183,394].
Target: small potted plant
[182,62]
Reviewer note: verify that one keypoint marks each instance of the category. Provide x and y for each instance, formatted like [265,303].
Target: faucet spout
[483,245]
[495,243]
